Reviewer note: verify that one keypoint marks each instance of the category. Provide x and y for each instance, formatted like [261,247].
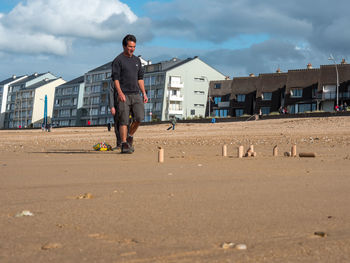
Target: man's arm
[142,88]
[121,95]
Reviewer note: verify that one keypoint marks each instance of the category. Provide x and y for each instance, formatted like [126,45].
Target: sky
[236,37]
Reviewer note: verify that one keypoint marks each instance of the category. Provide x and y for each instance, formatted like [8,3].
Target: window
[94,111]
[158,106]
[217,86]
[266,96]
[74,112]
[217,100]
[159,93]
[75,101]
[265,110]
[193,112]
[314,92]
[239,112]
[57,102]
[296,93]
[64,113]
[103,109]
[96,88]
[75,89]
[240,97]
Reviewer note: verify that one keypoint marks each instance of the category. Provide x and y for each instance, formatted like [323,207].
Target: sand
[90,206]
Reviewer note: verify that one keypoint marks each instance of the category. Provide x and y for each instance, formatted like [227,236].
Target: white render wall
[191,73]
[39,100]
[4,100]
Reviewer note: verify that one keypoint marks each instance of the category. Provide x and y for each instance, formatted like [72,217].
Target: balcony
[176,98]
[176,85]
[176,112]
[333,95]
[224,104]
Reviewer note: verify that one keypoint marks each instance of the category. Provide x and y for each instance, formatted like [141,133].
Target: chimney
[343,61]
[278,70]
[251,75]
[227,77]
[309,66]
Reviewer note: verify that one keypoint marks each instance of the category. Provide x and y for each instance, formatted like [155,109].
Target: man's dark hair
[128,38]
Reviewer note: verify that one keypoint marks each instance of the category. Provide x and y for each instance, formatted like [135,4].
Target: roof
[166,65]
[107,66]
[244,85]
[271,82]
[74,81]
[29,78]
[41,83]
[302,78]
[9,80]
[224,90]
[328,74]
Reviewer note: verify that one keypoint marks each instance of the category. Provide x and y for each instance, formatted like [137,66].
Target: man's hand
[113,111]
[145,98]
[121,97]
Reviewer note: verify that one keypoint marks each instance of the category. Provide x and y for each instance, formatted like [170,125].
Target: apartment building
[178,88]
[4,87]
[68,103]
[25,106]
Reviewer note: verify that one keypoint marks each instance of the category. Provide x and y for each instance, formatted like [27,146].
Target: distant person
[173,123]
[109,126]
[345,106]
[127,76]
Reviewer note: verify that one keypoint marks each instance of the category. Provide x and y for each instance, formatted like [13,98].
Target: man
[113,99]
[127,76]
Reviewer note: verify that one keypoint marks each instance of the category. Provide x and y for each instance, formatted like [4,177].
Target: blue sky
[237,37]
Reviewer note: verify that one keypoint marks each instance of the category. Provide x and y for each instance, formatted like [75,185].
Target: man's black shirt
[128,70]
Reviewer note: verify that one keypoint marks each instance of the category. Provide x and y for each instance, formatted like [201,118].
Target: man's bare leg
[133,127]
[123,130]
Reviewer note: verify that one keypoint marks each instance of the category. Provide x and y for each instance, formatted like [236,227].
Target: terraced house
[300,90]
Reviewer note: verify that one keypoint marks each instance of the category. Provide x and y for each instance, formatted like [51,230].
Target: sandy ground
[184,210]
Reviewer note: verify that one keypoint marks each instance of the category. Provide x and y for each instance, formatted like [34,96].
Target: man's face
[129,48]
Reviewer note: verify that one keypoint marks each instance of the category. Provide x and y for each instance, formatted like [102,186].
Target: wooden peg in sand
[311,155]
[275,151]
[224,150]
[160,155]
[294,150]
[240,151]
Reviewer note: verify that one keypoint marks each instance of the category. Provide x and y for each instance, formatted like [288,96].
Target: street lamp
[336,70]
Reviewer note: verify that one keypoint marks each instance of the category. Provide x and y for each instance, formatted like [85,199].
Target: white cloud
[50,26]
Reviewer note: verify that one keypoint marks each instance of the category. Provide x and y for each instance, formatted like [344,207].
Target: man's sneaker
[119,146]
[130,140]
[126,148]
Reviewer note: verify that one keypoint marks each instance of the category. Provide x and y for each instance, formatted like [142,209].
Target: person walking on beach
[127,76]
[113,99]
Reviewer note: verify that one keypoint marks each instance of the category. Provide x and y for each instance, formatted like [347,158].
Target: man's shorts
[132,106]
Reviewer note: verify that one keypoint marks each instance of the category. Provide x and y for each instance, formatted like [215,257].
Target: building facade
[26,100]
[4,87]
[68,103]
[297,91]
[178,88]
